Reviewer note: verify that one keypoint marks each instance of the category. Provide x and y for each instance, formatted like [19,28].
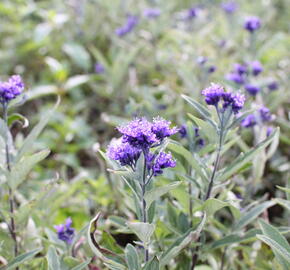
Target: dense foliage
[144,135]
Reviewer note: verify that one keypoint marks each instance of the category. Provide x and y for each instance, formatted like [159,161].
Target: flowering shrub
[167,146]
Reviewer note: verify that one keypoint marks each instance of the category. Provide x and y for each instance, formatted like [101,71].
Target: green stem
[12,226]
[212,178]
[144,211]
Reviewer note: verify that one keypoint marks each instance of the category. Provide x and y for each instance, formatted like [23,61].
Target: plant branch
[12,226]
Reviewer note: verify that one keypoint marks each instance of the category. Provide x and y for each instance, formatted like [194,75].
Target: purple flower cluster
[11,89]
[229,7]
[215,95]
[241,75]
[130,24]
[123,152]
[252,24]
[65,232]
[264,115]
[139,136]
[156,163]
[151,13]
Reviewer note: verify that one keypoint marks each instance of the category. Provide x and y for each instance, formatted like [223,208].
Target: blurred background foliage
[54,45]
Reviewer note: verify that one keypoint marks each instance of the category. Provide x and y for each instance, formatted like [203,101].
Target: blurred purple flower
[211,69]
[235,77]
[151,13]
[229,7]
[99,68]
[256,67]
[240,69]
[252,89]
[272,86]
[11,89]
[252,24]
[190,13]
[201,60]
[269,131]
[65,232]
[132,21]
[265,114]
[182,131]
[249,121]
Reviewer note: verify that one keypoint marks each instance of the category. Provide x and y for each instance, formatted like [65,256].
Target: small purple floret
[65,232]
[162,161]
[123,152]
[272,86]
[252,89]
[256,68]
[229,7]
[99,68]
[11,89]
[252,24]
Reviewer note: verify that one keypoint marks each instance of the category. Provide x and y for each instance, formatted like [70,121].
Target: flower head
[132,21]
[240,69]
[272,86]
[265,114]
[252,89]
[249,121]
[152,13]
[252,24]
[138,133]
[11,89]
[256,68]
[238,102]
[211,69]
[123,152]
[229,7]
[161,128]
[235,77]
[162,161]
[65,232]
[213,94]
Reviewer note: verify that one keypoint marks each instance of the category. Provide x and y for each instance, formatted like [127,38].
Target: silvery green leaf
[82,265]
[284,203]
[252,214]
[132,258]
[76,81]
[152,265]
[20,169]
[155,193]
[28,142]
[78,55]
[239,162]
[20,259]
[212,205]
[52,259]
[283,255]
[144,231]
[275,235]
